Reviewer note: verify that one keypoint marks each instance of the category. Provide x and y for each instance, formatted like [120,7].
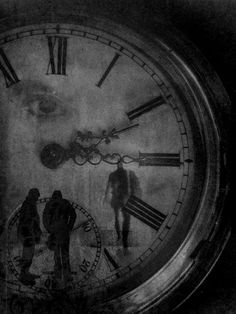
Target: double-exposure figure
[58,218]
[29,233]
[121,185]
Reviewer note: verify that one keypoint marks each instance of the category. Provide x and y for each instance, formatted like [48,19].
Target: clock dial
[119,135]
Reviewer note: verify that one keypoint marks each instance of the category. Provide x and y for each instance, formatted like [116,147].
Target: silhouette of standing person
[30,233]
[58,218]
[121,185]
[2,272]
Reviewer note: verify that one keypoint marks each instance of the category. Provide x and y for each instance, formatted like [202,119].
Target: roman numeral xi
[8,72]
[57,47]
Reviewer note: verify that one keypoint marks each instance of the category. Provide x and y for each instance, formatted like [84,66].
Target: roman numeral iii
[57,47]
[8,72]
[159,159]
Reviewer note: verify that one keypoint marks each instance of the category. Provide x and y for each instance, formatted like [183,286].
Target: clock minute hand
[105,136]
[115,132]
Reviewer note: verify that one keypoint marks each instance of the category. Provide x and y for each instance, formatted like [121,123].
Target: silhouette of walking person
[58,218]
[121,185]
[30,233]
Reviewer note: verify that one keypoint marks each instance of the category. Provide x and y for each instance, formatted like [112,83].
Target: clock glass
[114,136]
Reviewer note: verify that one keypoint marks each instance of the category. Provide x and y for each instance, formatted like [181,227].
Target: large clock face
[119,133]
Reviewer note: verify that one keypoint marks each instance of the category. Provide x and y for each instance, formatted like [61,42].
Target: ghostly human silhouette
[121,185]
[29,233]
[2,268]
[58,218]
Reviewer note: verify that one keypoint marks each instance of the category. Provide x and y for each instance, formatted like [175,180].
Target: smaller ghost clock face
[85,242]
[116,127]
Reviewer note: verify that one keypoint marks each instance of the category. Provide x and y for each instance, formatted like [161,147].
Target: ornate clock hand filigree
[106,136]
[96,157]
[53,155]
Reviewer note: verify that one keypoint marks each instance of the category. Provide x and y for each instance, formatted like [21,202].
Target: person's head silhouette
[120,165]
[57,195]
[33,194]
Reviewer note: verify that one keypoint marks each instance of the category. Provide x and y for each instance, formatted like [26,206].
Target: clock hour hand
[143,159]
[53,155]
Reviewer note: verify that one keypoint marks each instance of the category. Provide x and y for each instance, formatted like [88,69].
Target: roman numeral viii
[144,212]
[57,55]
[148,106]
[7,70]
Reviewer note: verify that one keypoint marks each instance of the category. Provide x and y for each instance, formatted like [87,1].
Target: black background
[211,26]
